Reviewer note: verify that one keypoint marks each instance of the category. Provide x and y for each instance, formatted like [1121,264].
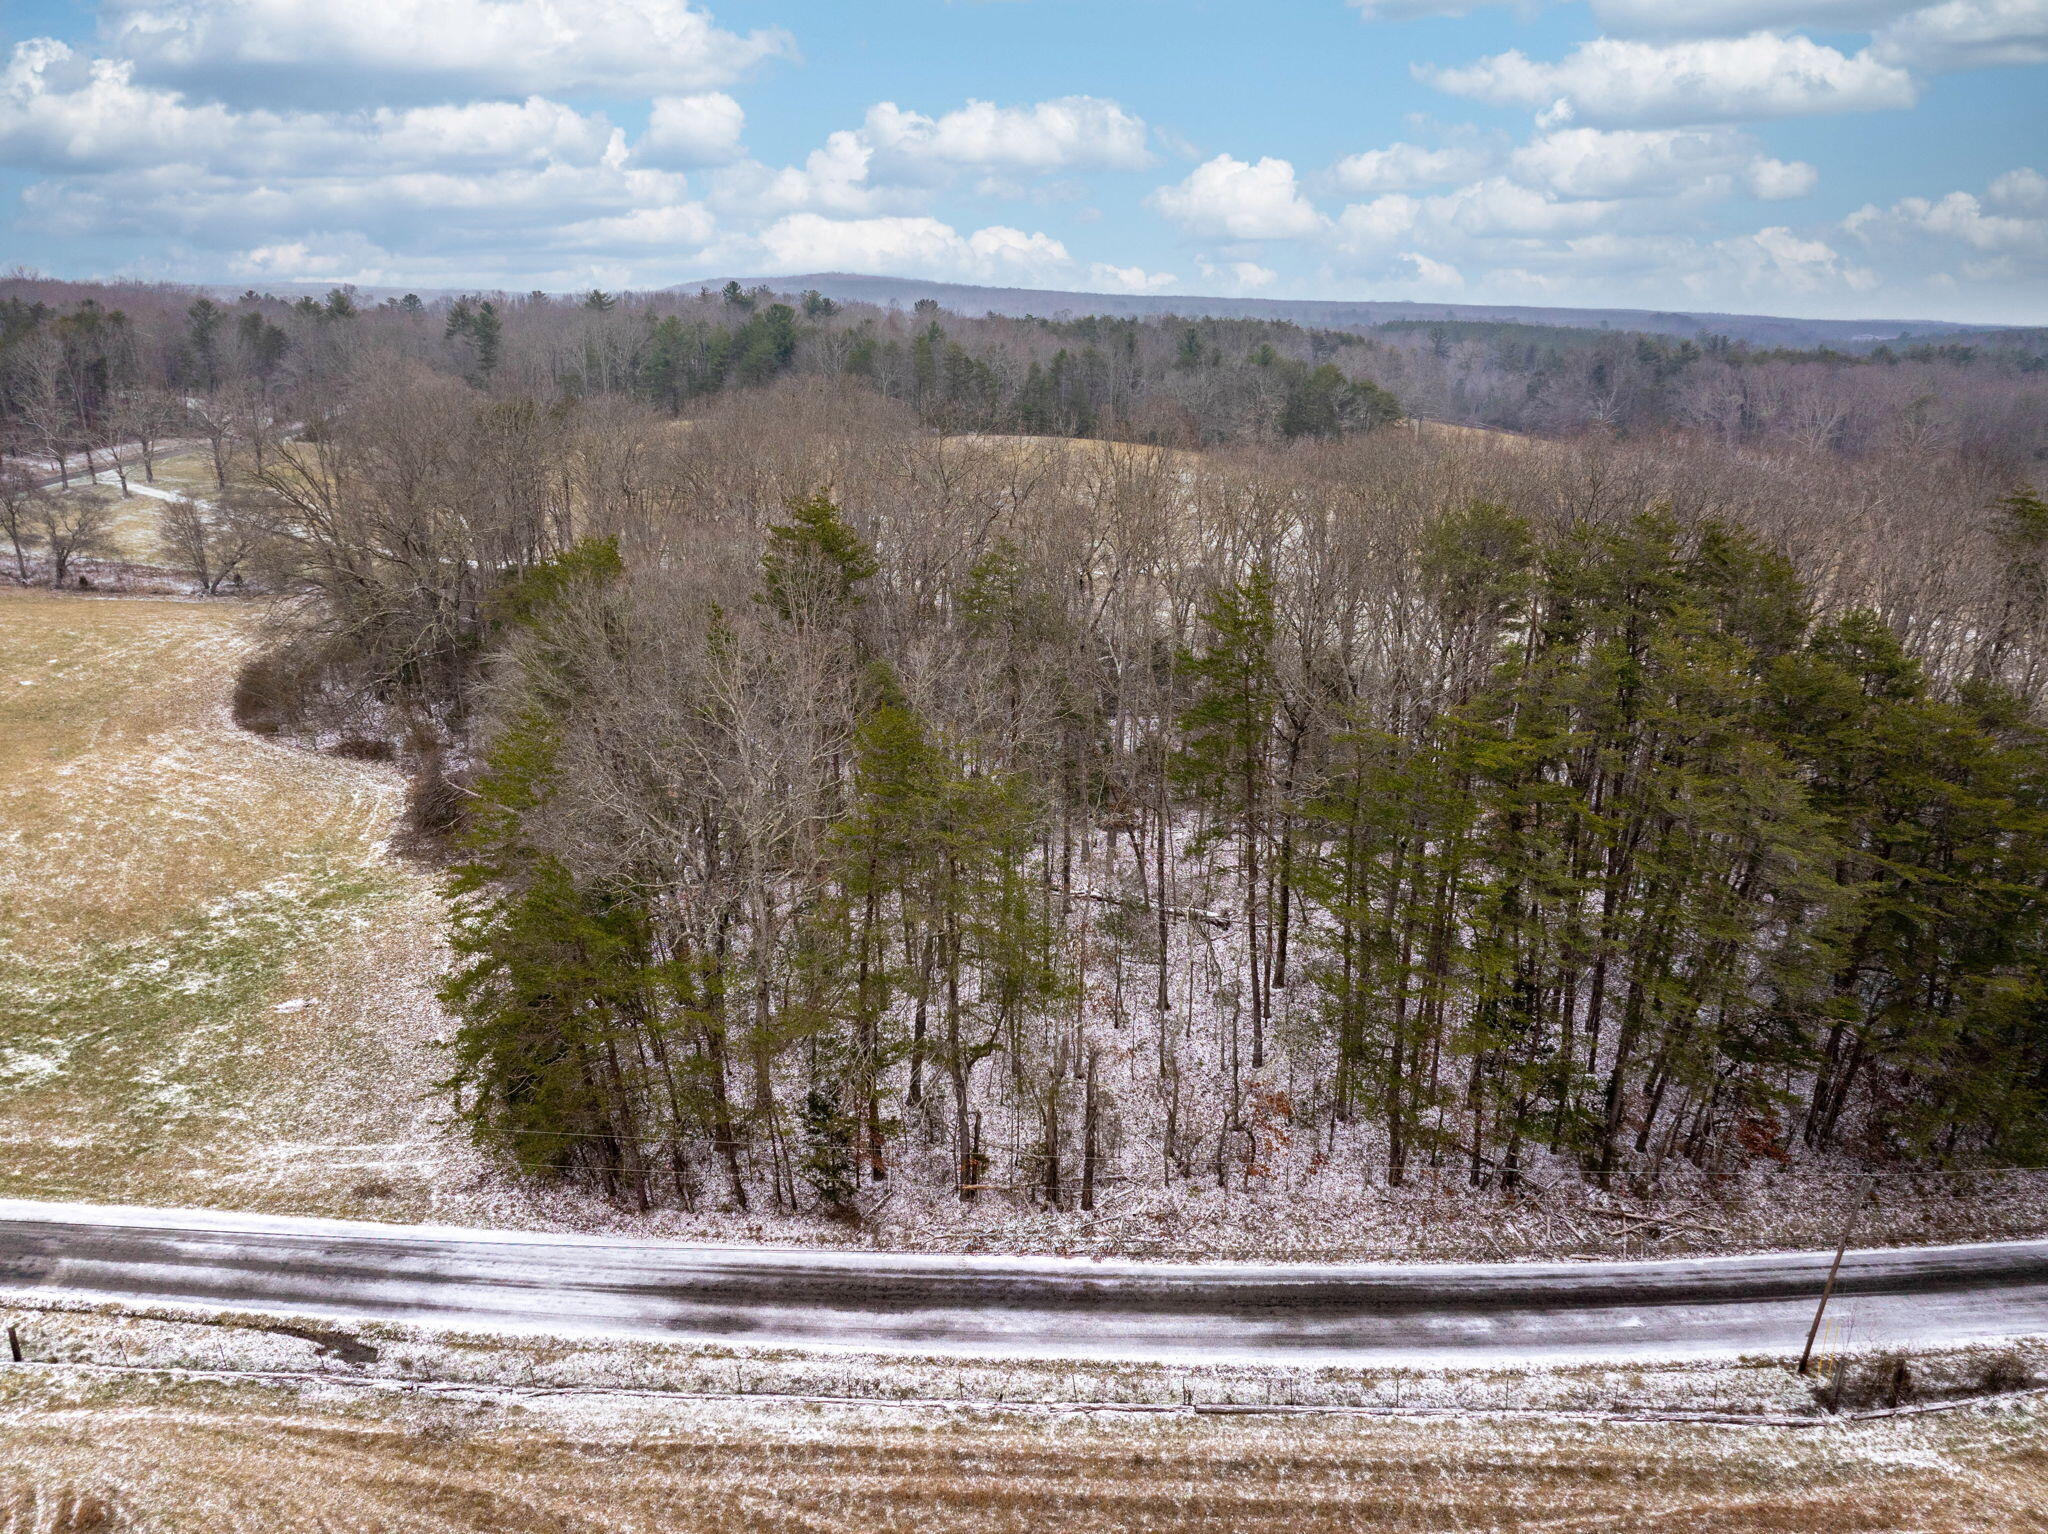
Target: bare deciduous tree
[72,527]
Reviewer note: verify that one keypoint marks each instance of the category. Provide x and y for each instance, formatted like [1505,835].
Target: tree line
[837,805]
[95,378]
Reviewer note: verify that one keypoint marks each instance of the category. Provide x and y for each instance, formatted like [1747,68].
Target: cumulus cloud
[1128,279]
[1536,233]
[1655,162]
[1409,167]
[684,131]
[1244,276]
[411,208]
[834,178]
[921,246]
[680,226]
[1778,261]
[1967,34]
[476,191]
[2021,191]
[1478,224]
[1368,226]
[1437,276]
[1700,18]
[1959,220]
[897,159]
[318,52]
[1498,206]
[1238,200]
[343,258]
[60,111]
[1778,180]
[1070,133]
[1619,82]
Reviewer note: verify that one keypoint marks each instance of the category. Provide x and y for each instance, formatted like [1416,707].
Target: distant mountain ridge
[1338,314]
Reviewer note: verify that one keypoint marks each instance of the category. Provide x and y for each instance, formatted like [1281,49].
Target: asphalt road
[1047,1307]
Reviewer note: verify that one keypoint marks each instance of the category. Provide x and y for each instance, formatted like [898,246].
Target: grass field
[210,975]
[83,1451]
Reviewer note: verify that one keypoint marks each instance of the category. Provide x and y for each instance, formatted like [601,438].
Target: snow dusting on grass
[176,1453]
[217,990]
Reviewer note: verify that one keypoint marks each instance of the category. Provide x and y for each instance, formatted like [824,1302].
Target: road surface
[1042,1307]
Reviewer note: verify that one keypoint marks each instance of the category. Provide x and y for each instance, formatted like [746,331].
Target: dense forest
[835,801]
[87,369]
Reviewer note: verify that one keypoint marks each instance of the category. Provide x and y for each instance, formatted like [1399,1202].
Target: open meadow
[211,972]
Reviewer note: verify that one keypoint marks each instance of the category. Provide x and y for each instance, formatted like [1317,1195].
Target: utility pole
[1828,1289]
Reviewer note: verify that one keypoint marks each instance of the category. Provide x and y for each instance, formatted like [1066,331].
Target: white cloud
[409,208]
[691,130]
[2023,191]
[921,246]
[833,179]
[1778,180]
[1409,168]
[347,258]
[60,111]
[1611,81]
[896,159]
[481,191]
[1957,34]
[1437,276]
[1776,261]
[1382,222]
[1530,241]
[1498,206]
[1967,34]
[1487,216]
[1244,276]
[1958,218]
[1240,201]
[679,227]
[1956,245]
[1128,279]
[1070,133]
[484,133]
[1701,18]
[1655,162]
[286,49]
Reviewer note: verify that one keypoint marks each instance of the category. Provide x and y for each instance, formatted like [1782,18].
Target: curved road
[1047,1307]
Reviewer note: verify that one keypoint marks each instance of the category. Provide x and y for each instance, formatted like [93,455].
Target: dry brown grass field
[83,1451]
[210,971]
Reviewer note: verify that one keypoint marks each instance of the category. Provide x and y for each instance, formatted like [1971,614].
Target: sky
[1846,158]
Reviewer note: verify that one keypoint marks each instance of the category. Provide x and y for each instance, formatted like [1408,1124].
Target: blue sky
[1832,157]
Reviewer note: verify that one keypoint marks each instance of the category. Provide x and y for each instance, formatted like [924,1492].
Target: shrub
[365,748]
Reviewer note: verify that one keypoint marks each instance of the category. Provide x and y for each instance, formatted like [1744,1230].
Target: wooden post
[1835,1267]
[1088,1138]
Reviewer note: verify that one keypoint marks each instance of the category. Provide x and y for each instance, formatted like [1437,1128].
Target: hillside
[1332,314]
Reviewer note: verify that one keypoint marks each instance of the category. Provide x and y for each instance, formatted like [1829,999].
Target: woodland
[1004,759]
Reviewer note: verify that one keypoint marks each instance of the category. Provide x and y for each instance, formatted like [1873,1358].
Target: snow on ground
[216,990]
[167,882]
[84,1449]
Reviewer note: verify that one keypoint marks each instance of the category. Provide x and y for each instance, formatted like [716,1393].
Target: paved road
[1436,1313]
